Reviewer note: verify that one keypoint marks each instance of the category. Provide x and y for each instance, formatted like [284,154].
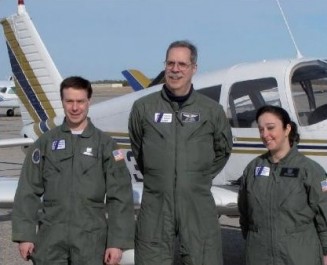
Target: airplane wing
[225,199]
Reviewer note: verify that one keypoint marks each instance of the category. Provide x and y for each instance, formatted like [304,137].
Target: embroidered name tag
[262,171]
[88,151]
[58,144]
[289,172]
[190,117]
[161,117]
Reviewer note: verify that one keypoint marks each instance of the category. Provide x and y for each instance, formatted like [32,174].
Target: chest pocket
[199,145]
[53,162]
[86,159]
[292,192]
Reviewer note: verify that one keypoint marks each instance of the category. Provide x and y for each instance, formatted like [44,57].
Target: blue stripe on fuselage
[300,146]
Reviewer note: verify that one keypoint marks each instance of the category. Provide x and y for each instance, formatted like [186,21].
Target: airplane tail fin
[36,77]
[136,79]
[159,79]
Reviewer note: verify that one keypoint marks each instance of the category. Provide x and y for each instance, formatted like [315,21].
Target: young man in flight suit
[181,140]
[74,166]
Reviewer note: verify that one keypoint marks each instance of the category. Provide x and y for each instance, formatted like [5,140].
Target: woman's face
[272,133]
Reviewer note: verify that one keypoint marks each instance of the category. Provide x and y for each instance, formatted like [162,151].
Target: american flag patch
[118,154]
[323,185]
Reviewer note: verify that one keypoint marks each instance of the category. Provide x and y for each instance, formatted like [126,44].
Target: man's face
[76,106]
[179,71]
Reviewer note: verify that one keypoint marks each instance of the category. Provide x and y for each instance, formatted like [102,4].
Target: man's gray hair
[184,44]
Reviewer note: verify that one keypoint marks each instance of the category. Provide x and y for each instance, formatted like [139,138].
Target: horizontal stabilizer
[226,200]
[8,186]
[16,142]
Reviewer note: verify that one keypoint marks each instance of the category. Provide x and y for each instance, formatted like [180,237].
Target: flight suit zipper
[178,123]
[272,212]
[75,144]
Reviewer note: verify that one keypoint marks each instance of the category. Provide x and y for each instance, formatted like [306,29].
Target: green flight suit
[283,211]
[178,150]
[74,174]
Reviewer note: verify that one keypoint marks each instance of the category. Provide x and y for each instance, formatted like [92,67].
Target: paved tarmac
[11,160]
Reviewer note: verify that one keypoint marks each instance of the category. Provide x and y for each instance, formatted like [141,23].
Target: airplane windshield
[309,92]
[247,96]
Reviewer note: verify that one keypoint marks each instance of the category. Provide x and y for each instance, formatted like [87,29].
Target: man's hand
[113,256]
[26,249]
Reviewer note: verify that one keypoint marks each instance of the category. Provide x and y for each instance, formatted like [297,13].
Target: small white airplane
[8,97]
[299,85]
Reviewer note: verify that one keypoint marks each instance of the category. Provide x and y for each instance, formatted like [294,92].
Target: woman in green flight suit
[283,198]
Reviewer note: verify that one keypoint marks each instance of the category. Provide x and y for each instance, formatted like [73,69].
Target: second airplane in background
[8,97]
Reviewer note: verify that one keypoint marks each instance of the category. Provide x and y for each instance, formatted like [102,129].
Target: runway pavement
[11,160]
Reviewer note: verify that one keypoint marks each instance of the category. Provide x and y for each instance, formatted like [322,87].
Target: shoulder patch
[323,185]
[118,155]
[36,156]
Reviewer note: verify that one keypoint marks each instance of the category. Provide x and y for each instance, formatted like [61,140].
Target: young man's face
[76,106]
[179,70]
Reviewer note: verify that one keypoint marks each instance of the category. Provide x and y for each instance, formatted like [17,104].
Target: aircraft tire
[10,112]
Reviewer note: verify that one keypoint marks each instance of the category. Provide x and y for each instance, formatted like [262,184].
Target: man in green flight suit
[181,140]
[87,215]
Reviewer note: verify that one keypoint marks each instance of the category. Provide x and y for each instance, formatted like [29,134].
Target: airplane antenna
[21,7]
[298,53]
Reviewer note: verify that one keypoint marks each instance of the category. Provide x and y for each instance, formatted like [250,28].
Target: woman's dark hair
[282,114]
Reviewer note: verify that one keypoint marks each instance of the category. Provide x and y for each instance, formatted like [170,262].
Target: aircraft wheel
[10,112]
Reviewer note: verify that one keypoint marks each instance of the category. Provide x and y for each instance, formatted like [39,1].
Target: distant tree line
[123,82]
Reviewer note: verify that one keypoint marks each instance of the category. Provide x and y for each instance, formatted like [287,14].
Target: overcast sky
[99,38]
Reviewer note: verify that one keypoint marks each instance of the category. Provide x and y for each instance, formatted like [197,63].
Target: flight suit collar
[190,97]
[189,113]
[88,131]
[285,159]
[279,171]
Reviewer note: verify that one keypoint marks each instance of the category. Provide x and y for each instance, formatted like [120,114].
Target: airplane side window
[309,93]
[247,96]
[212,92]
[3,89]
